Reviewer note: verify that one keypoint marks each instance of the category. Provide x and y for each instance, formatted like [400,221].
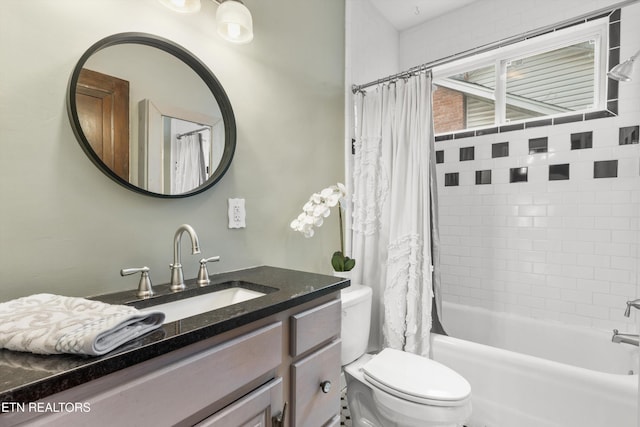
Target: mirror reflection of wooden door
[103,111]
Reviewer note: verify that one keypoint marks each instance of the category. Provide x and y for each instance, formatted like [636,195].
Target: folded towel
[54,324]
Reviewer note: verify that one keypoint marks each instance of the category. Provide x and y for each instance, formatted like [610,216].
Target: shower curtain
[393,200]
[189,166]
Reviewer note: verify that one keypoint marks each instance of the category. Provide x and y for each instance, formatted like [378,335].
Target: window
[560,73]
[465,100]
[553,82]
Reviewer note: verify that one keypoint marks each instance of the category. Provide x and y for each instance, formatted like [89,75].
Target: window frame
[596,29]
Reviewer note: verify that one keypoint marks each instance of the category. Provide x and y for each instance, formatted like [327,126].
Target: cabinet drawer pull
[325,386]
[278,419]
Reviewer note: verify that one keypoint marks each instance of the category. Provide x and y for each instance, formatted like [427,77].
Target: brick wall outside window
[448,110]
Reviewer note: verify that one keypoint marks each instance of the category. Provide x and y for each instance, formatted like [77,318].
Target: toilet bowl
[395,388]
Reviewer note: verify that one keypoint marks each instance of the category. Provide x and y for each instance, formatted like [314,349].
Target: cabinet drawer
[172,393]
[311,407]
[199,380]
[252,410]
[314,326]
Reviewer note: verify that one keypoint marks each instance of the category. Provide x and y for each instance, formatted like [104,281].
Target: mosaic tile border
[606,168]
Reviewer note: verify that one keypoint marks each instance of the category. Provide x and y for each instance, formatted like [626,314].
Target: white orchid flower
[308,207]
[321,211]
[333,199]
[326,192]
[317,208]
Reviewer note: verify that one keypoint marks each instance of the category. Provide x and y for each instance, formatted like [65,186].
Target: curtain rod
[180,135]
[487,47]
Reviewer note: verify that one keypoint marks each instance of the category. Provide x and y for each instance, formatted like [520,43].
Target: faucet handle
[203,273]
[635,304]
[145,289]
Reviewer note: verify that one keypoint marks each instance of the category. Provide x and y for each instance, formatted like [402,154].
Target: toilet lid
[416,378]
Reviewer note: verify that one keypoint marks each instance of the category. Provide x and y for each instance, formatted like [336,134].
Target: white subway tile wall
[564,250]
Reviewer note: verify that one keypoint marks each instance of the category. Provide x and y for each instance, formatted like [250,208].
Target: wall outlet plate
[237,213]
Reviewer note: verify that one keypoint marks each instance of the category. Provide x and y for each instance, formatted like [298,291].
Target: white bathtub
[529,373]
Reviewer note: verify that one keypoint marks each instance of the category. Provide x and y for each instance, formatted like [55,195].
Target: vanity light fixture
[234,20]
[182,6]
[622,72]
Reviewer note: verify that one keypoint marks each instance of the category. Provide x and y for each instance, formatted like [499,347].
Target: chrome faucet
[145,289]
[624,338]
[177,278]
[635,304]
[203,273]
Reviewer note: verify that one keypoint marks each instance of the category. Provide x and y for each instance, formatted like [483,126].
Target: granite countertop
[26,377]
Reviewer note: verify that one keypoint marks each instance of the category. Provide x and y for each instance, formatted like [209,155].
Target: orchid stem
[341,232]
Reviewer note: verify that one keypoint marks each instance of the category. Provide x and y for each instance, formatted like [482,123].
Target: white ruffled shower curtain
[189,168]
[392,223]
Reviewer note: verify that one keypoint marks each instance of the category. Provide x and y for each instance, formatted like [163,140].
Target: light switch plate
[237,213]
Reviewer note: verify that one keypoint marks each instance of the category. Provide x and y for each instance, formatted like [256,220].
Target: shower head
[622,72]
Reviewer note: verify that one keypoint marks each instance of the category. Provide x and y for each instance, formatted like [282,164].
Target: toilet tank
[356,321]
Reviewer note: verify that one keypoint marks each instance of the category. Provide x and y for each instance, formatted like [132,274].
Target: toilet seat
[416,379]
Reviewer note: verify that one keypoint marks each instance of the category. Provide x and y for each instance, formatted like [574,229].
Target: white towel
[54,324]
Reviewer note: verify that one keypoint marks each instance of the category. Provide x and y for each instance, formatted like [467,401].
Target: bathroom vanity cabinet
[242,377]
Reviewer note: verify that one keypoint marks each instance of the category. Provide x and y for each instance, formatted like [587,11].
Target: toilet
[394,388]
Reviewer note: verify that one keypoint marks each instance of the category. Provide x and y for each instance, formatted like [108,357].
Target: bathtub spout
[624,338]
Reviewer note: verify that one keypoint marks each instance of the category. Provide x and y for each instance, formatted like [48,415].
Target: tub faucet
[624,338]
[635,304]
[177,278]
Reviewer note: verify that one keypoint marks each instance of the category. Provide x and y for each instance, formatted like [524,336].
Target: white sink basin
[188,307]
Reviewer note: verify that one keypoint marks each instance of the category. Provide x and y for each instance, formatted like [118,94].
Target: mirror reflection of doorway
[164,129]
[103,111]
[189,145]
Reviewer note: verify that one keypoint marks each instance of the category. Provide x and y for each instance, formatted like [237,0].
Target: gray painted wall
[66,228]
[484,22]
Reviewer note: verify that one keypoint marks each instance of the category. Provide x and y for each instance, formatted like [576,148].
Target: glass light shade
[234,22]
[182,6]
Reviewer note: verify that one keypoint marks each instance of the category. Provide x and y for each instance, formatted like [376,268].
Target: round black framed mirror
[151,115]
